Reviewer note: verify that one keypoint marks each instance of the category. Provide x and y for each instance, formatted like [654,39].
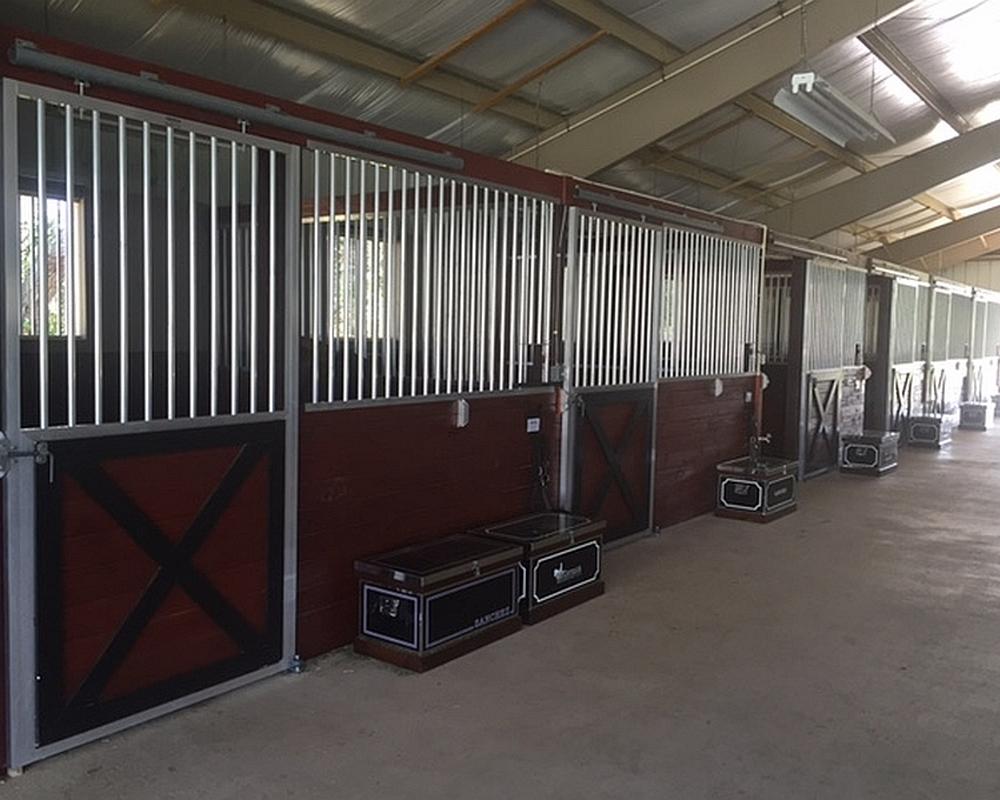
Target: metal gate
[642,303]
[150,361]
[831,399]
[610,312]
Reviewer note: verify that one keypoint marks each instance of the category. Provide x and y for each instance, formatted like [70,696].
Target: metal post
[95,160]
[171,288]
[147,279]
[70,320]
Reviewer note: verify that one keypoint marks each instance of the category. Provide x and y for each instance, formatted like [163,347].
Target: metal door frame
[20,494]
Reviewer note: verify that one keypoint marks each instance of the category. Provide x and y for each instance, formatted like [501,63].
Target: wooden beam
[885,50]
[867,194]
[659,49]
[716,73]
[306,33]
[537,72]
[432,62]
[943,237]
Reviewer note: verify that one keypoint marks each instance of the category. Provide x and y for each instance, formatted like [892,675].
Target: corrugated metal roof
[952,42]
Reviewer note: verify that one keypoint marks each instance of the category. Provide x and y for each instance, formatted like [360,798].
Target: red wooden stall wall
[375,478]
[695,431]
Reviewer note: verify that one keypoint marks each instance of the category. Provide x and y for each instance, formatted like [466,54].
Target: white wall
[985,273]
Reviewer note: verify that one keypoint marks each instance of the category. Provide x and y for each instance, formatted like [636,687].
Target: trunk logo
[563,575]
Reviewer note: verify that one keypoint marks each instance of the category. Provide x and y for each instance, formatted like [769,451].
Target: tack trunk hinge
[8,454]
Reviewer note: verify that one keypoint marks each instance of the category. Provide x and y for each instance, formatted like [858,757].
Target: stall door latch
[8,455]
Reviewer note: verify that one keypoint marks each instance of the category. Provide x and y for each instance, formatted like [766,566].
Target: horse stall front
[660,361]
[812,342]
[708,391]
[427,348]
[946,358]
[979,406]
[150,376]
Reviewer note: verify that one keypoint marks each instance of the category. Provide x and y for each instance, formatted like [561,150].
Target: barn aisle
[849,650]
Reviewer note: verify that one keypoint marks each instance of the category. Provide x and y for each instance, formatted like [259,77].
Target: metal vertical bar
[584,371]
[736,270]
[463,253]
[415,272]
[733,271]
[439,290]
[192,279]
[714,299]
[70,275]
[377,285]
[567,465]
[599,256]
[627,303]
[314,320]
[377,297]
[272,278]
[252,341]
[504,271]
[494,232]
[147,280]
[472,287]
[689,288]
[615,300]
[360,324]
[390,281]
[549,256]
[402,284]
[698,302]
[624,302]
[171,285]
[730,290]
[706,300]
[332,284]
[427,286]
[450,343]
[95,163]
[525,281]
[631,298]
[574,284]
[676,269]
[531,266]
[741,266]
[234,263]
[345,280]
[643,300]
[43,270]
[483,301]
[655,259]
[214,289]
[515,237]
[640,302]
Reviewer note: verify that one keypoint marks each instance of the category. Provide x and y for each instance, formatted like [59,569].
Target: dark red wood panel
[774,412]
[622,422]
[695,431]
[376,478]
[160,569]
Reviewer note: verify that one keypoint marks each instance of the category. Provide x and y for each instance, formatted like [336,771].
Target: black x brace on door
[613,458]
[244,450]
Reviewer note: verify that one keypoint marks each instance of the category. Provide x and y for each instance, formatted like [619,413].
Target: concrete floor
[851,650]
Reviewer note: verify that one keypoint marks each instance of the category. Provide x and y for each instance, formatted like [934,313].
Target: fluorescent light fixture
[814,102]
